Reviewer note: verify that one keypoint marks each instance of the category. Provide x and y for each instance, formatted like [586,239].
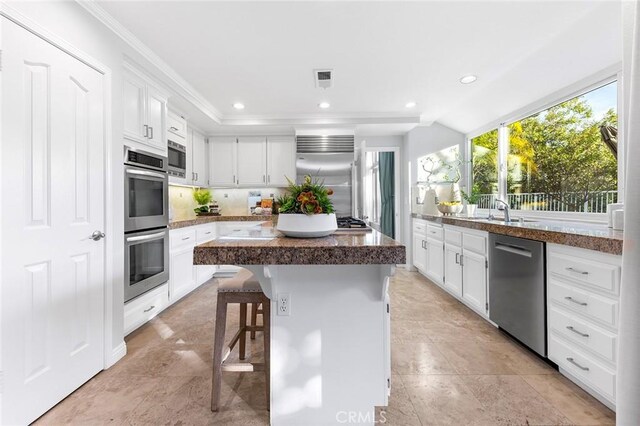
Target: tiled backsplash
[233,201]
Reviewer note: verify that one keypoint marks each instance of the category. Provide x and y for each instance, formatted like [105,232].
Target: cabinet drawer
[434,232]
[582,366]
[592,306]
[182,238]
[583,333]
[143,308]
[475,243]
[176,125]
[453,236]
[205,233]
[601,275]
[419,226]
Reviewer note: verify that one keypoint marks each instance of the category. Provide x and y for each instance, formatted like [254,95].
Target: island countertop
[264,245]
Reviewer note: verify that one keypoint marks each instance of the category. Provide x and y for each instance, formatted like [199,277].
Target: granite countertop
[576,234]
[201,220]
[264,245]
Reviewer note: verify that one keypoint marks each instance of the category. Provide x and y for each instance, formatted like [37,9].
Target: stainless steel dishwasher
[517,290]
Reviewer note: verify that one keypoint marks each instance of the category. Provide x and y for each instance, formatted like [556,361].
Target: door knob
[97,235]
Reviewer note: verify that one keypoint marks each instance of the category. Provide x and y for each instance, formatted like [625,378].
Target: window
[558,160]
[561,159]
[484,161]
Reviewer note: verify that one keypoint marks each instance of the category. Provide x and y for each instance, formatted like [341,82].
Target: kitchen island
[330,352]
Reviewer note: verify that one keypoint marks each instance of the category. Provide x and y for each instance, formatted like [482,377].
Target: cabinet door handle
[264,179]
[572,361]
[458,258]
[571,299]
[462,260]
[173,128]
[151,128]
[146,131]
[234,178]
[570,328]
[196,176]
[185,238]
[207,233]
[577,271]
[268,178]
[150,308]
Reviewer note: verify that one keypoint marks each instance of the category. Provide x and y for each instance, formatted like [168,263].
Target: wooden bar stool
[242,289]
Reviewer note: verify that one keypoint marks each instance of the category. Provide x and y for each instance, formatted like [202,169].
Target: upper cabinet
[176,126]
[198,148]
[281,160]
[251,161]
[145,111]
[222,161]
[251,164]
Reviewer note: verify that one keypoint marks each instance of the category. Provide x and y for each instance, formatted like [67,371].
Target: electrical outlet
[284,304]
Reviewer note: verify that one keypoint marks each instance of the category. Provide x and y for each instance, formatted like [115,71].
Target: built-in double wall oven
[146,220]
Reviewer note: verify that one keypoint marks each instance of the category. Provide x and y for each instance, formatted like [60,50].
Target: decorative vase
[471,210]
[307,226]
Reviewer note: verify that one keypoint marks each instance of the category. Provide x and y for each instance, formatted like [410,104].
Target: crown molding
[177,83]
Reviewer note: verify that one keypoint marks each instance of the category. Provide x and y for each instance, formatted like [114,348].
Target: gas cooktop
[345,223]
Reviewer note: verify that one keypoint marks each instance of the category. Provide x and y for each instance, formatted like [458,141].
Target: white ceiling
[383,54]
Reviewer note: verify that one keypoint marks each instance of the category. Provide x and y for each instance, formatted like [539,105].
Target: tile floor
[449,367]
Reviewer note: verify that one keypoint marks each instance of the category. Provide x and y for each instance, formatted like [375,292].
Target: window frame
[584,86]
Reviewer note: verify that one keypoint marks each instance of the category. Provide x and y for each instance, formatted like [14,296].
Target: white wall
[418,142]
[77,27]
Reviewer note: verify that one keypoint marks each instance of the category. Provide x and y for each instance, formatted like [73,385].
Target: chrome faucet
[507,218]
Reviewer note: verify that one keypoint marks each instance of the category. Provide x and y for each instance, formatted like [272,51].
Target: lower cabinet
[435,260]
[474,280]
[182,273]
[420,251]
[453,269]
[144,308]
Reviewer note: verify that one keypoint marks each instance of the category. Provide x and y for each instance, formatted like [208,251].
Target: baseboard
[116,355]
[597,395]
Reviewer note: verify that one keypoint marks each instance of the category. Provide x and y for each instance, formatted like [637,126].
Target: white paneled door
[52,196]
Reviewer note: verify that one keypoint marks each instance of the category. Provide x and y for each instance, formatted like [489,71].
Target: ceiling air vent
[324,78]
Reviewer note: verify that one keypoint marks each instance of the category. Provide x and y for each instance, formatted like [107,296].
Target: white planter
[307,226]
[471,210]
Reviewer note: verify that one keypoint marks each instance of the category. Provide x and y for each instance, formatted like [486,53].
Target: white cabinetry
[142,309]
[182,277]
[281,160]
[222,161]
[420,245]
[145,110]
[474,280]
[176,125]
[251,161]
[453,269]
[583,297]
[198,147]
[435,253]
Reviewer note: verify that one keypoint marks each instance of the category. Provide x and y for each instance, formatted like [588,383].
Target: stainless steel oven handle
[155,236]
[145,173]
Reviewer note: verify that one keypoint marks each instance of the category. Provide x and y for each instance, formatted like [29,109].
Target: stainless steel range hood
[331,159]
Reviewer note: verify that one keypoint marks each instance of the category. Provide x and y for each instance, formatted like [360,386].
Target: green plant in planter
[310,197]
[203,198]
[472,198]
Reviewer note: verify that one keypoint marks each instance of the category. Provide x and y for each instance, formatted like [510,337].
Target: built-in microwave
[177,159]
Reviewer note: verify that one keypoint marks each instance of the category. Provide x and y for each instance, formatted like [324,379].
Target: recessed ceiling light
[410,104]
[324,105]
[467,79]
[238,105]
